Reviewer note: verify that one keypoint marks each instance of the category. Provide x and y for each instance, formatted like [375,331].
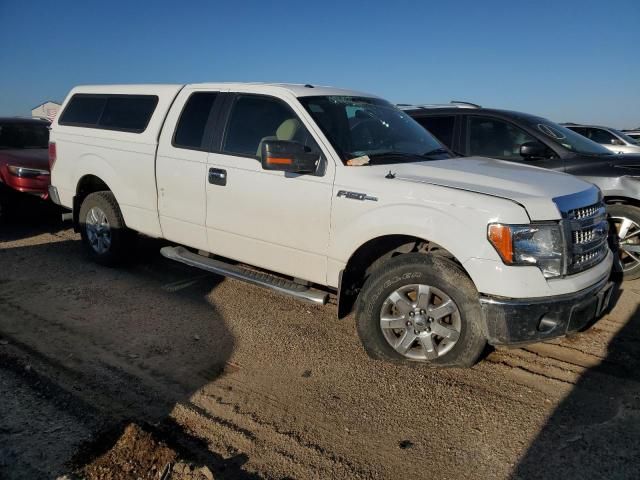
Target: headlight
[540,245]
[23,172]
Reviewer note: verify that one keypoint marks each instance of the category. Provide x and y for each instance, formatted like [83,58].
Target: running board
[277,284]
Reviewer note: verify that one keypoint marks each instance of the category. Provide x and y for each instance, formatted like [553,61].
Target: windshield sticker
[550,131]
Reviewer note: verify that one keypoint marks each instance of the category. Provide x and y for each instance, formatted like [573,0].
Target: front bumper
[521,321]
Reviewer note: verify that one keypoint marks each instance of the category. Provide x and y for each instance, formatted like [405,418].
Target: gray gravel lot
[254,384]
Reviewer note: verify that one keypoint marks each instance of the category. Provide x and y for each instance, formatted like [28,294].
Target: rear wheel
[626,219]
[421,308]
[107,239]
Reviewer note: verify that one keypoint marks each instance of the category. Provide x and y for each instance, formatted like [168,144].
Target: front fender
[460,229]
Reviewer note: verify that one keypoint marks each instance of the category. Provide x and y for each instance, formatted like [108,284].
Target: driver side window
[490,137]
[257,118]
[601,136]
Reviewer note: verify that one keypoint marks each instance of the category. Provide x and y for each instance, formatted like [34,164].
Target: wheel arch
[621,200]
[87,184]
[372,254]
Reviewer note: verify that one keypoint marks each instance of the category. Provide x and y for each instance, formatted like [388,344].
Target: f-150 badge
[356,196]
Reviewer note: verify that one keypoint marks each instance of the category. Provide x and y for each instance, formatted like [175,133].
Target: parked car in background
[635,134]
[309,190]
[24,161]
[530,140]
[610,138]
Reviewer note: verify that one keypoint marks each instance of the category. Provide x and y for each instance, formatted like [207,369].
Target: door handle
[218,176]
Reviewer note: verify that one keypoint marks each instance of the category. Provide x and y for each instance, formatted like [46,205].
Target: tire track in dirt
[118,369]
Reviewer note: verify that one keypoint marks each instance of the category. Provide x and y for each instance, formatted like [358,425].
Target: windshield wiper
[436,151]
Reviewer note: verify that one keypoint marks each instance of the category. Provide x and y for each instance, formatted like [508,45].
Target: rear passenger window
[190,132]
[83,110]
[439,127]
[128,113]
[255,119]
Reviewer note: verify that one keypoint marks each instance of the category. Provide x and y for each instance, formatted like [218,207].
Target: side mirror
[288,157]
[616,141]
[533,150]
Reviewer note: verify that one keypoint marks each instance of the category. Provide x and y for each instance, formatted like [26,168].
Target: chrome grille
[587,227]
[590,256]
[586,212]
[584,236]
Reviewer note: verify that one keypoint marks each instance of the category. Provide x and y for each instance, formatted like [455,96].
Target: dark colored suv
[470,130]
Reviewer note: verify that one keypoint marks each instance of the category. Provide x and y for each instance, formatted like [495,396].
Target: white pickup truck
[312,190]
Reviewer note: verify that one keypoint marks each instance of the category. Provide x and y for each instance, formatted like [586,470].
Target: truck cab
[312,191]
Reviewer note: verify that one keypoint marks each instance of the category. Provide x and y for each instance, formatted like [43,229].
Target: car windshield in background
[23,135]
[624,136]
[567,138]
[373,130]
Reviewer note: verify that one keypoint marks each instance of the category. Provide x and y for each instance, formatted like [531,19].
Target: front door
[496,138]
[271,219]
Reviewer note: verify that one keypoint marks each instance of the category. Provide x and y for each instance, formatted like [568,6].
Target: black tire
[122,239]
[432,270]
[618,212]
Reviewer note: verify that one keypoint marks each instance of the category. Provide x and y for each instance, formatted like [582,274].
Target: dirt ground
[234,381]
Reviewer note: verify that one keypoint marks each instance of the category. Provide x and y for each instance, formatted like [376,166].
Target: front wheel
[626,219]
[421,308]
[107,239]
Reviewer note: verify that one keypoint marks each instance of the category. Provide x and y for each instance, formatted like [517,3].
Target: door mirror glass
[288,156]
[533,150]
[616,141]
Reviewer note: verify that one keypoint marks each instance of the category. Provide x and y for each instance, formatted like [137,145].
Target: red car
[24,158]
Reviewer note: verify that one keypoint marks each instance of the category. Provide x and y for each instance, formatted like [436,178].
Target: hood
[532,187]
[28,157]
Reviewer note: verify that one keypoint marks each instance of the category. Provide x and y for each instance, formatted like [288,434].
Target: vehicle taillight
[52,155]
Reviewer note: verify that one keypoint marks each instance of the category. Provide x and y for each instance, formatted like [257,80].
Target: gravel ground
[250,384]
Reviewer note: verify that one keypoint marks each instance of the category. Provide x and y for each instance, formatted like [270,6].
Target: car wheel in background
[626,219]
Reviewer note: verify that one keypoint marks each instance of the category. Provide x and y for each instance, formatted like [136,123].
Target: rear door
[444,127]
[181,166]
[271,219]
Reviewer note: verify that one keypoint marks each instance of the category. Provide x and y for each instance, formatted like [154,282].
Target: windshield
[625,137]
[567,138]
[371,130]
[23,135]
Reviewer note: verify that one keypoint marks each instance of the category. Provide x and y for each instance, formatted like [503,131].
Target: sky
[569,60]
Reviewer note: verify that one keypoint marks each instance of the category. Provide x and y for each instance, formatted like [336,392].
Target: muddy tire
[626,218]
[106,237]
[421,308]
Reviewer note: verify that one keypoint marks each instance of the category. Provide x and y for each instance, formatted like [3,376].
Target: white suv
[315,190]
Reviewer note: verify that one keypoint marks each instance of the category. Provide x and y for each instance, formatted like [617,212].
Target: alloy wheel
[98,230]
[420,322]
[629,242]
